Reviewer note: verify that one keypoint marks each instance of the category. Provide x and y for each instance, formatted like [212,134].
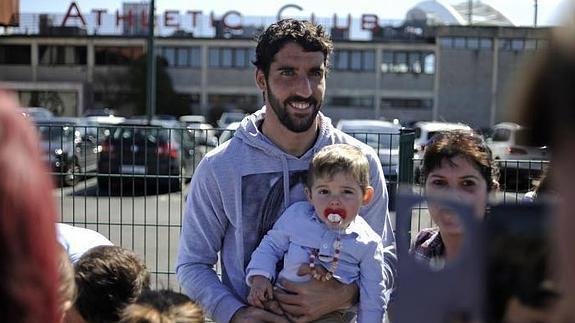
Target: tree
[167,100]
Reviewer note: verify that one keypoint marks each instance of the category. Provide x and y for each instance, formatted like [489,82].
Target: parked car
[383,136]
[105,125]
[230,116]
[518,161]
[70,148]
[37,113]
[102,112]
[424,131]
[204,134]
[192,118]
[142,152]
[229,131]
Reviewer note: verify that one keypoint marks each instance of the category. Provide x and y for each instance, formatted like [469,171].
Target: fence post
[406,140]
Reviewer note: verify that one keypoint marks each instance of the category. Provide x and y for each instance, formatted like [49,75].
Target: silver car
[517,160]
[507,144]
[383,136]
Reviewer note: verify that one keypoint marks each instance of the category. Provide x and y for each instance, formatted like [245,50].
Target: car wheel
[72,175]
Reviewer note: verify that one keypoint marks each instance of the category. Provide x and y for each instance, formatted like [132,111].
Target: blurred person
[162,306]
[326,232]
[108,279]
[240,188]
[76,241]
[457,164]
[67,290]
[545,104]
[542,189]
[28,247]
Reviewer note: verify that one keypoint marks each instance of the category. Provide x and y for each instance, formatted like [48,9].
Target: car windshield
[378,140]
[501,135]
[151,134]
[53,133]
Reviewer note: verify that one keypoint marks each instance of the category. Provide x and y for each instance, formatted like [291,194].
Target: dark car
[138,152]
[69,147]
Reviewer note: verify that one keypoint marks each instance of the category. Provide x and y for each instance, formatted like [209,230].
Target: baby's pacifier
[334,216]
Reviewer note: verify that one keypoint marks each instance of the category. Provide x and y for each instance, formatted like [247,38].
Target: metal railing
[139,205]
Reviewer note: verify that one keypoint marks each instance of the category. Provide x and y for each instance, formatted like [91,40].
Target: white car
[509,147]
[229,131]
[425,130]
[383,136]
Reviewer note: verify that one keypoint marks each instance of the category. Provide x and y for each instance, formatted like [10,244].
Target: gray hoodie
[237,192]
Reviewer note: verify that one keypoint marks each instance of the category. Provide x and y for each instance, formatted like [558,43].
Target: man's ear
[368,195]
[307,193]
[260,79]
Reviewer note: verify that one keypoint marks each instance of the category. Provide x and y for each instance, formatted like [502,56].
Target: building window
[517,44]
[416,62]
[446,42]
[15,55]
[369,60]
[406,103]
[530,44]
[505,44]
[169,54]
[429,63]
[341,60]
[351,101]
[542,43]
[181,56]
[459,42]
[214,57]
[387,62]
[466,42]
[117,55]
[473,43]
[62,55]
[230,57]
[485,43]
[400,63]
[354,60]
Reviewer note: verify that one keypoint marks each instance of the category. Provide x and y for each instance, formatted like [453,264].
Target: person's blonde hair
[162,306]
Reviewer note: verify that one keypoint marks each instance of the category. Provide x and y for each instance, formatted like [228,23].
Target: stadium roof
[439,12]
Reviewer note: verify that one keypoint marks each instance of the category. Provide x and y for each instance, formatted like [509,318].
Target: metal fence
[130,183]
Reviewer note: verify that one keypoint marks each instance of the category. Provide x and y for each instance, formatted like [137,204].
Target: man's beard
[293,124]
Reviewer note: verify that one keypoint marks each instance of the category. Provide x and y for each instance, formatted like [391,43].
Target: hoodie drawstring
[286,177]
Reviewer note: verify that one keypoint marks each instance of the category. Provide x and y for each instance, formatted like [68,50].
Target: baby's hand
[260,292]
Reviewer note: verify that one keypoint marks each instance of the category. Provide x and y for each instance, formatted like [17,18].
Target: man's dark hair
[108,279]
[312,38]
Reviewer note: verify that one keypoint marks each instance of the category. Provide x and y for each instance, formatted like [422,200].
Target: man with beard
[240,188]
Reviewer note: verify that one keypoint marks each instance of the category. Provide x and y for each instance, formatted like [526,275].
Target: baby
[326,232]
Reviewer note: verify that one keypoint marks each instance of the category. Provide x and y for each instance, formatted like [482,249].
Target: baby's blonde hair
[340,158]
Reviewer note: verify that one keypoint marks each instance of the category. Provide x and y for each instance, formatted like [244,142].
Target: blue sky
[519,11]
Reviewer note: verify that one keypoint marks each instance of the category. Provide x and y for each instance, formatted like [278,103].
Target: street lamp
[151,66]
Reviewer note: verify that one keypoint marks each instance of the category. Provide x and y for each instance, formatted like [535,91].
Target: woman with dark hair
[28,247]
[456,164]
